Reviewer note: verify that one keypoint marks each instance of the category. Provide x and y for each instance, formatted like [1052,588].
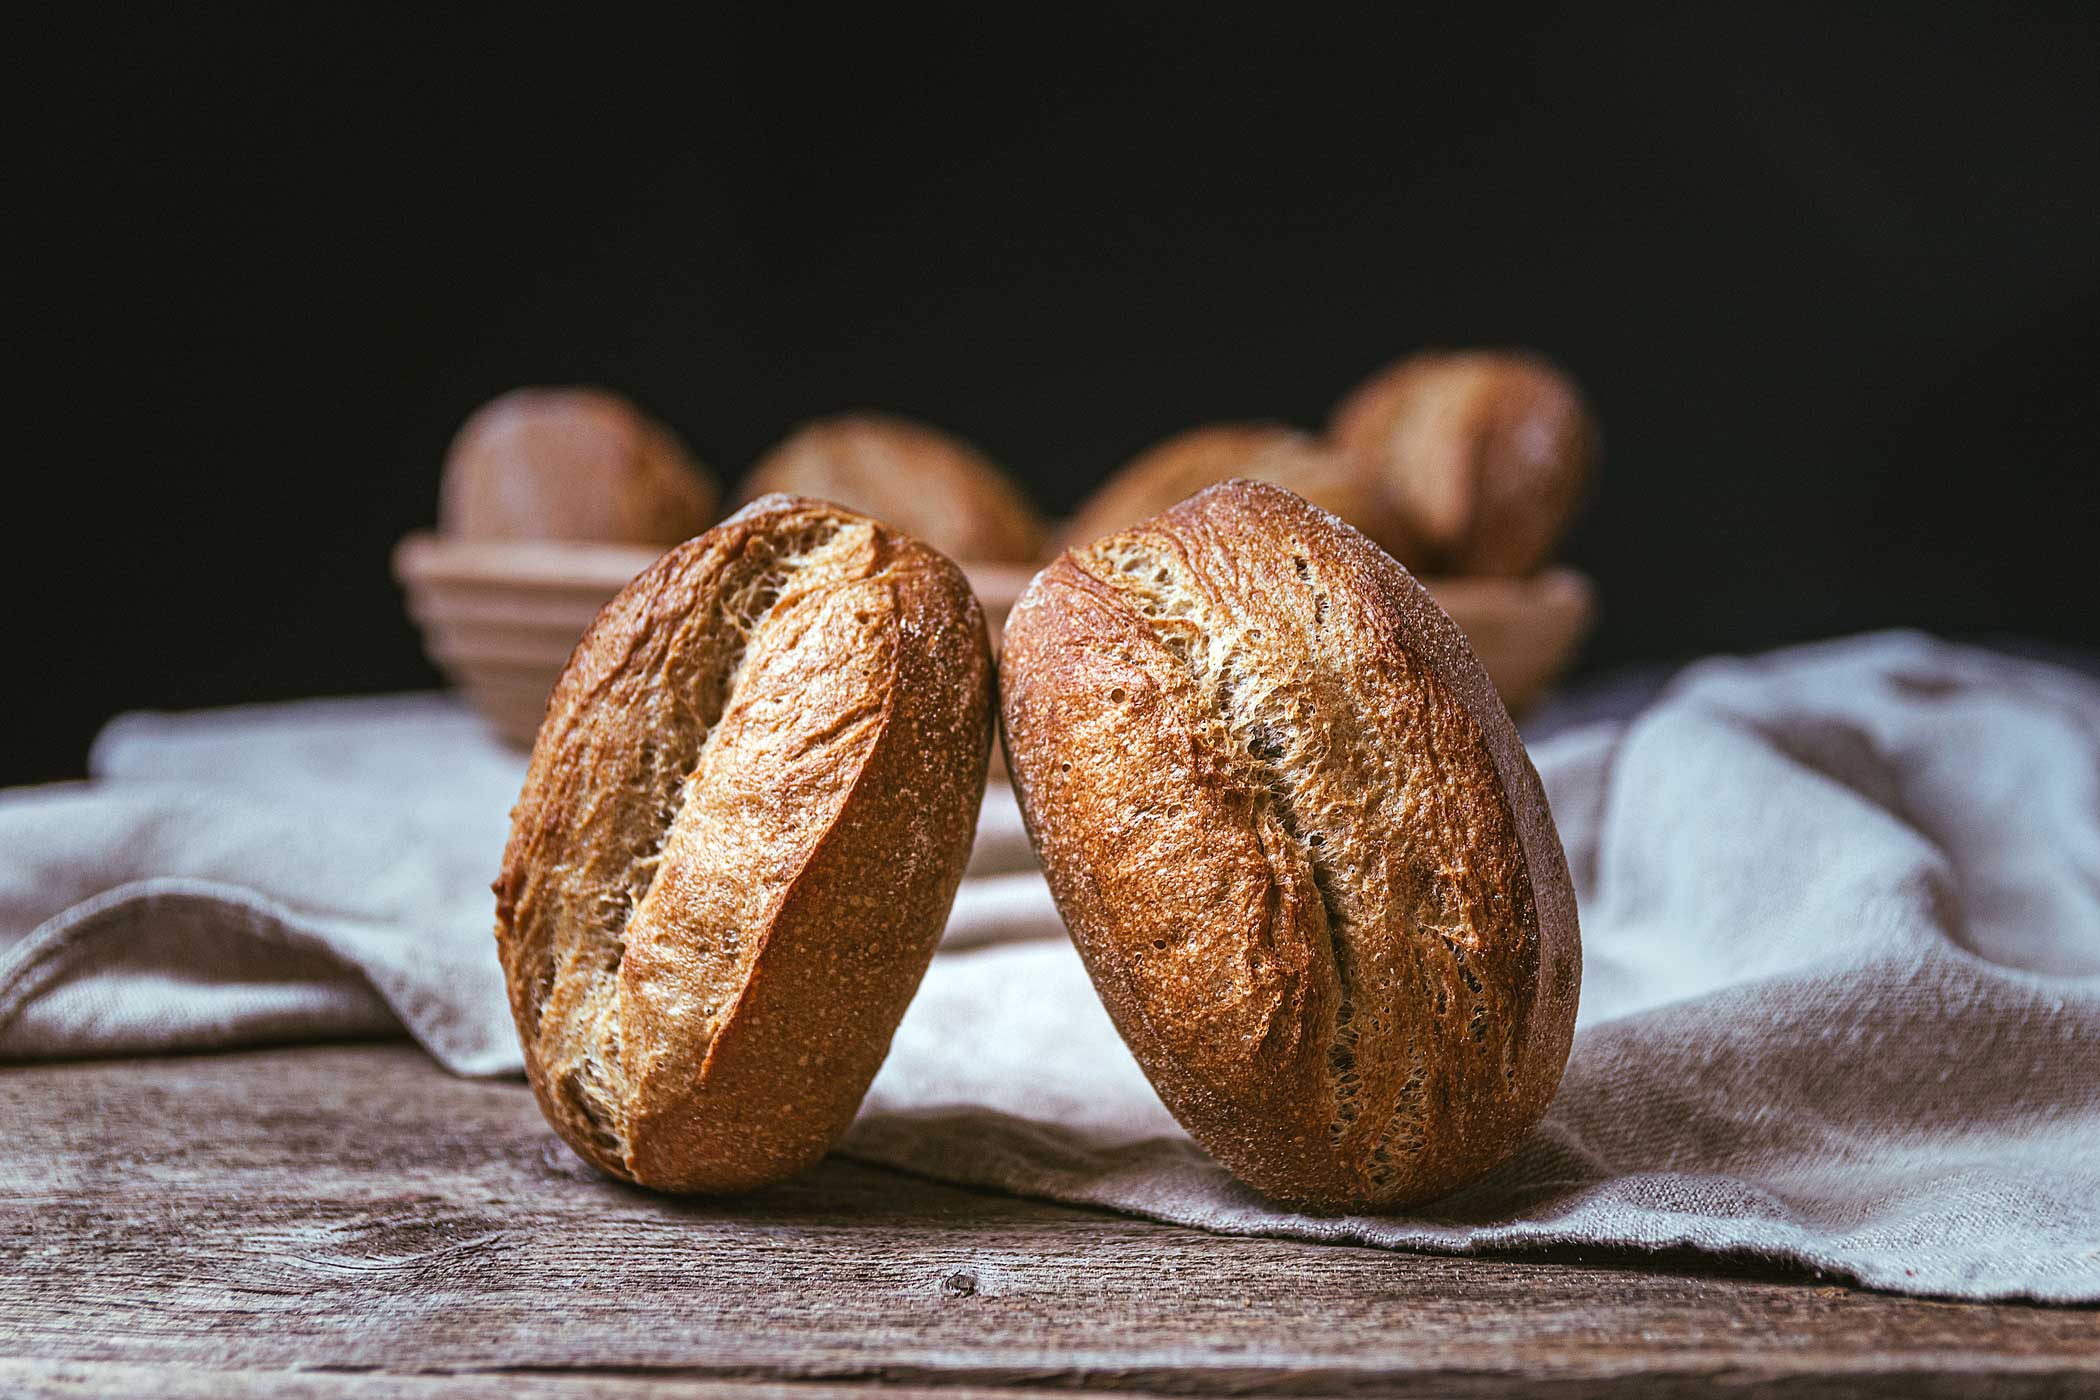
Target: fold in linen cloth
[1840,1008]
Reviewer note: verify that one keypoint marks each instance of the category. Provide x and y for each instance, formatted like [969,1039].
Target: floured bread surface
[1299,845]
[743,825]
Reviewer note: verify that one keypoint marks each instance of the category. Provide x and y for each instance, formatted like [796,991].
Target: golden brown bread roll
[1485,454]
[1299,846]
[572,464]
[1187,462]
[914,477]
[743,824]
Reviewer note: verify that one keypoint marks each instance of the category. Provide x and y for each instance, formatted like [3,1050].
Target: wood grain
[210,1224]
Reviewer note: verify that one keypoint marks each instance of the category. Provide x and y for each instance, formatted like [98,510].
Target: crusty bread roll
[1299,846]
[1485,454]
[908,475]
[1187,462]
[572,464]
[743,824]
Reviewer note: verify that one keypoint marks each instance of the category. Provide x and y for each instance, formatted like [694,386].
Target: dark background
[1832,279]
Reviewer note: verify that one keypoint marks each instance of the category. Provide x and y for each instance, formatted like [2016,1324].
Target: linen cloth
[1840,1008]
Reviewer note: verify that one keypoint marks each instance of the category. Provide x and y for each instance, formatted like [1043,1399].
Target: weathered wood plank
[85,1379]
[354,1210]
[74,1380]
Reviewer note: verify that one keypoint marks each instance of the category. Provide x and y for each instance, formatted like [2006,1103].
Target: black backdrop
[1832,278]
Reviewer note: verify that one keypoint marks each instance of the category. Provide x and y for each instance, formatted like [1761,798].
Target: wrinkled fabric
[1840,1008]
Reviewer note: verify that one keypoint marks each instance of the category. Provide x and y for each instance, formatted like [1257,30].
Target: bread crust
[572,464]
[911,476]
[1484,454]
[742,827]
[1180,466]
[1299,846]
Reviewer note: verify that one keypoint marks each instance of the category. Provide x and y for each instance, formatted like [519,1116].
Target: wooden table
[353,1222]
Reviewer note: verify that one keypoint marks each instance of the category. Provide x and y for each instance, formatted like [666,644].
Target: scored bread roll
[1485,454]
[1299,846]
[1187,462]
[572,464]
[908,475]
[740,833]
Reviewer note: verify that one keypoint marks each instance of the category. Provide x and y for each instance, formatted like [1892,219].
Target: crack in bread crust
[1156,581]
[676,689]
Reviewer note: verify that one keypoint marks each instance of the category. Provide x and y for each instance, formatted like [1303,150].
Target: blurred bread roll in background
[910,476]
[1485,454]
[572,464]
[1171,471]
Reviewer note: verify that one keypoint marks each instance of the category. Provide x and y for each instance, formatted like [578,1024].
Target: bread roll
[743,824]
[908,475]
[572,464]
[1198,457]
[1485,454]
[1299,846]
